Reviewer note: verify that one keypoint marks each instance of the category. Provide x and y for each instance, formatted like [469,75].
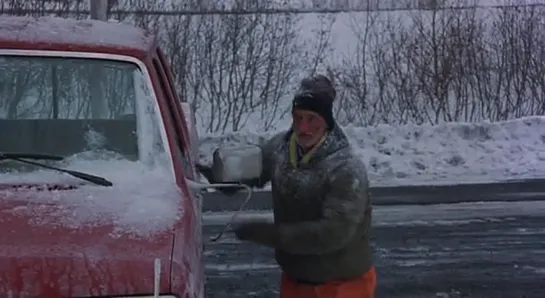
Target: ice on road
[441,214]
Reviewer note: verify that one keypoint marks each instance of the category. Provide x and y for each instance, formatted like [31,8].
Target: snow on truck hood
[142,201]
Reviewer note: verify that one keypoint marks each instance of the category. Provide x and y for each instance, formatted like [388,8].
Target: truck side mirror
[237,163]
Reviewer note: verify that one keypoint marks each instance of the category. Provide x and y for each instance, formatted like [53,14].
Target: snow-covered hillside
[442,154]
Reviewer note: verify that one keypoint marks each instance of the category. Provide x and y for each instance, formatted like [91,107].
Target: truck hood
[82,241]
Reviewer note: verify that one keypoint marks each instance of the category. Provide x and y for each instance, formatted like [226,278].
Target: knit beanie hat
[316,94]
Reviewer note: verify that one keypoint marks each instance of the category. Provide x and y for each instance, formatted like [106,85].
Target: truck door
[189,249]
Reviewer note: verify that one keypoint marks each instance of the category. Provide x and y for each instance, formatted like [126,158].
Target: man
[322,210]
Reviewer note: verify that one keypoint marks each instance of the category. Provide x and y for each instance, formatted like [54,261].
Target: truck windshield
[82,108]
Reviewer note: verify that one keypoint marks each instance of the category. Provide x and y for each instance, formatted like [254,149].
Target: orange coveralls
[361,287]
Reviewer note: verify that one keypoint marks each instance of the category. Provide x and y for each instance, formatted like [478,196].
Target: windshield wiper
[7,155]
[19,157]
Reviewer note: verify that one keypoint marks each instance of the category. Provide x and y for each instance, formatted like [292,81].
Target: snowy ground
[443,154]
[477,250]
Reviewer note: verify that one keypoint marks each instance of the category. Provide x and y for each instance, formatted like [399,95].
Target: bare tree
[355,101]
[239,68]
[235,68]
[516,55]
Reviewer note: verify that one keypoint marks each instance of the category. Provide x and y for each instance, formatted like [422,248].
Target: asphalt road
[505,191]
[494,250]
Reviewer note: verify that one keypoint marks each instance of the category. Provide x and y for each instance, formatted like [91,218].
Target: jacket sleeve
[268,150]
[343,209]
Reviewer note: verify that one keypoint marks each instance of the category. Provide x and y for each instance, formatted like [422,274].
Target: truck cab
[96,155]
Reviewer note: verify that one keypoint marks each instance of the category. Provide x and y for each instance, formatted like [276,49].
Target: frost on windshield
[95,140]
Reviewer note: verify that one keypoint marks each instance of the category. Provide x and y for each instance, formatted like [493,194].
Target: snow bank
[142,201]
[443,154]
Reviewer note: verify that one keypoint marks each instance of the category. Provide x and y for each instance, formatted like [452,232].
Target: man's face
[309,128]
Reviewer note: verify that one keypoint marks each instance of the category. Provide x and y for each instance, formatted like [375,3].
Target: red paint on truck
[43,255]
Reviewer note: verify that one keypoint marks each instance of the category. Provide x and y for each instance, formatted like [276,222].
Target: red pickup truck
[96,162]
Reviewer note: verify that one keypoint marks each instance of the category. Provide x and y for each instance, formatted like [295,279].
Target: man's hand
[264,233]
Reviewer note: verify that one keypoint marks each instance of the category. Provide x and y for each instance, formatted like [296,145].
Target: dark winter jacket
[322,209]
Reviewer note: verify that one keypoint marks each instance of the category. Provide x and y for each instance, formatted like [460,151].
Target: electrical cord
[235,215]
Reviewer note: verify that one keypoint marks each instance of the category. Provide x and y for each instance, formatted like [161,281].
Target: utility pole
[99,9]
[99,107]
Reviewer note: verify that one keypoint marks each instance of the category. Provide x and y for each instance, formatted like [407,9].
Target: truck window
[59,106]
[174,118]
[168,72]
